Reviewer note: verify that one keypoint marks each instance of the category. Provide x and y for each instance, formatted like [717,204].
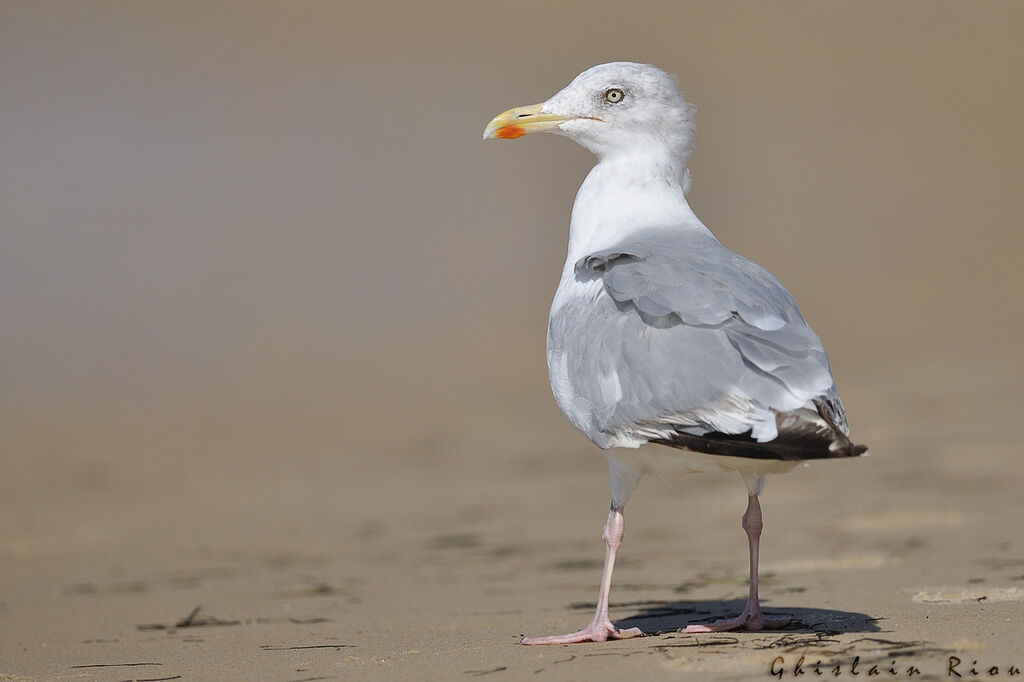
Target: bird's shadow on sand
[663,617]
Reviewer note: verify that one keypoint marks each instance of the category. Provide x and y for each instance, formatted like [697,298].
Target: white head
[611,109]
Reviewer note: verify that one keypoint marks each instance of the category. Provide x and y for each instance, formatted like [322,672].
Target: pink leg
[751,618]
[601,628]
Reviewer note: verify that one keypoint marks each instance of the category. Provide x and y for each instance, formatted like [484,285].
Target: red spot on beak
[510,132]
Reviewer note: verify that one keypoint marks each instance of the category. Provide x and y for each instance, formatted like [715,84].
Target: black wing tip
[743,445]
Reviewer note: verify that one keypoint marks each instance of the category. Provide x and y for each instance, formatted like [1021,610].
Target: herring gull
[659,335]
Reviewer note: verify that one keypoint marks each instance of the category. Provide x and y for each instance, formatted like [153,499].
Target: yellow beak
[514,123]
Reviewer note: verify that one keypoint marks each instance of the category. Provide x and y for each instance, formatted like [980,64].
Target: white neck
[624,193]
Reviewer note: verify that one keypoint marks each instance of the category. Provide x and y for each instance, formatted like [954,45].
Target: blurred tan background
[263,287]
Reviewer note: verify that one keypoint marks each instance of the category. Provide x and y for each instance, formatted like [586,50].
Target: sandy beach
[275,402]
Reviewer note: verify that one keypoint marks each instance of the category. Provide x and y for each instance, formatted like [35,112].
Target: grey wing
[699,345]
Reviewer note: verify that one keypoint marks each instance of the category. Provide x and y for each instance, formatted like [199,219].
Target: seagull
[661,336]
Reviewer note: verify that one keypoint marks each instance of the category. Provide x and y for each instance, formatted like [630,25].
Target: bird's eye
[614,95]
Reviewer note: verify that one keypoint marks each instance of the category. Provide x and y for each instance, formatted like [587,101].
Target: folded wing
[699,348]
